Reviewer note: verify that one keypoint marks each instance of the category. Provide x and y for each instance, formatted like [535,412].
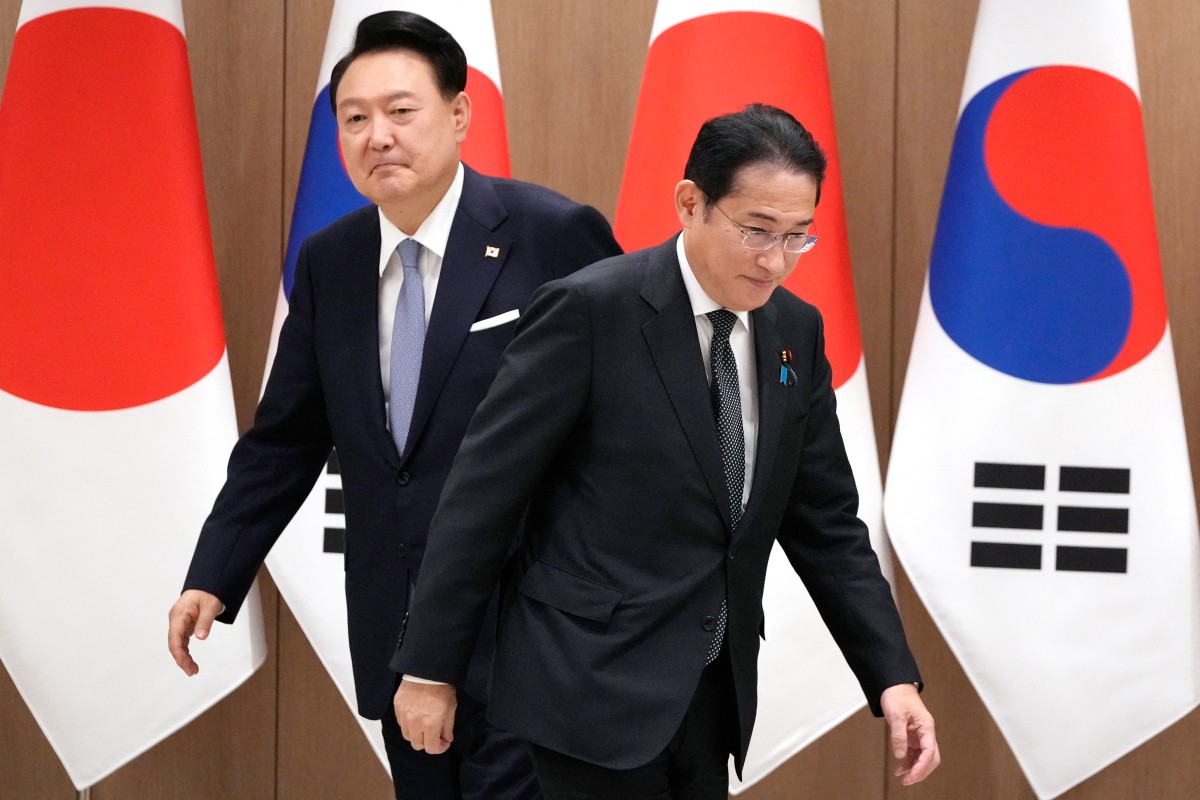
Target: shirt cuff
[415,679]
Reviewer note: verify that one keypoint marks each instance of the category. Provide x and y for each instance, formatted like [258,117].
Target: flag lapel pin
[491,251]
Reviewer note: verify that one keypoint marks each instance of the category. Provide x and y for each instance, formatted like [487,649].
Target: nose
[774,260]
[380,132]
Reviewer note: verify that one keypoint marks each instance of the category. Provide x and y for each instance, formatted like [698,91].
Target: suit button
[403,477]
[709,623]
[402,550]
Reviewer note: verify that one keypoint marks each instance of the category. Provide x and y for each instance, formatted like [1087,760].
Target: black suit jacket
[325,390]
[599,428]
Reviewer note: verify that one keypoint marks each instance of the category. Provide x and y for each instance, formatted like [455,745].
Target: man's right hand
[425,712]
[193,613]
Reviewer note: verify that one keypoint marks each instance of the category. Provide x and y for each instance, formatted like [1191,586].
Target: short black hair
[758,134]
[404,30]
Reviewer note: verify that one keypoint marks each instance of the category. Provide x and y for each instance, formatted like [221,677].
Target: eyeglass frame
[810,240]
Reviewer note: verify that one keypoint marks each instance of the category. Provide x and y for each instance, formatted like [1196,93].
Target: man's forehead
[755,175]
[392,60]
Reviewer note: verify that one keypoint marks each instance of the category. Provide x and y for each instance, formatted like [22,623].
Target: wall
[571,71]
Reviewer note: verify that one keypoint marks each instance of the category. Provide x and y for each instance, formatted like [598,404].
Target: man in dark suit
[397,319]
[659,421]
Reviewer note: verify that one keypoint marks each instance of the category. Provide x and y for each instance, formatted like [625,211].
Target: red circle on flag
[780,61]
[107,278]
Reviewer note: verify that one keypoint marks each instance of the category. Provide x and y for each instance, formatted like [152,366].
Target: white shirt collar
[434,232]
[701,302]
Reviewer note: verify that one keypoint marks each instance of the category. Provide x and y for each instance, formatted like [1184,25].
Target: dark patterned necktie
[727,409]
[408,343]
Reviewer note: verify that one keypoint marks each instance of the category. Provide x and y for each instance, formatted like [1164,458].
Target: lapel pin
[786,376]
[491,251]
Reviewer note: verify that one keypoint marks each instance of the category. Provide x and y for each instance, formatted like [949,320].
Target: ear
[461,109]
[689,203]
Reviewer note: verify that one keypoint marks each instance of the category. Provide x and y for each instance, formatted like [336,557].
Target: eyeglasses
[793,243]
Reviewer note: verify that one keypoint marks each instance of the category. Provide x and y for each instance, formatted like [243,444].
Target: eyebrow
[403,94]
[765,217]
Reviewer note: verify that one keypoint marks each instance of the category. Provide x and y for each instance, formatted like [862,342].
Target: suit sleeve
[584,238]
[830,549]
[539,394]
[273,467]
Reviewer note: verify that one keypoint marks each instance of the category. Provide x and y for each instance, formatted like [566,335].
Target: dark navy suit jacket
[599,431]
[325,390]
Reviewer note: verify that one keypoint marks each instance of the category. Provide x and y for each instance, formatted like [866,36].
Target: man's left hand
[911,727]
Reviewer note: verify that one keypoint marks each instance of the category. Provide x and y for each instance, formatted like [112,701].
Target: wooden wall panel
[860,41]
[8,26]
[571,72]
[1169,63]
[28,766]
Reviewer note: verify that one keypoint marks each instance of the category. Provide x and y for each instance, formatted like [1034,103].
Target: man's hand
[911,728]
[193,613]
[425,712]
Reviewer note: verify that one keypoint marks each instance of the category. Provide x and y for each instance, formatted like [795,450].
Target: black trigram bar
[1091,559]
[1093,479]
[1009,476]
[1006,515]
[1093,520]
[335,540]
[333,466]
[1007,556]
[335,501]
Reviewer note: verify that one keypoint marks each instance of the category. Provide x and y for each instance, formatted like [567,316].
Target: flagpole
[84,794]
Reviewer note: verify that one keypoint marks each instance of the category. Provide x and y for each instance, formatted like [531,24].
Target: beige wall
[571,70]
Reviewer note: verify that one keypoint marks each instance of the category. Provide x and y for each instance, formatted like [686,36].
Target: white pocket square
[492,322]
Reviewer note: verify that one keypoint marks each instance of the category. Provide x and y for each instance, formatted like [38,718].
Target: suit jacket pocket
[570,593]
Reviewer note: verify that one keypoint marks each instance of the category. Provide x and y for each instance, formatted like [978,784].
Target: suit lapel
[671,337]
[360,315]
[772,397]
[467,276]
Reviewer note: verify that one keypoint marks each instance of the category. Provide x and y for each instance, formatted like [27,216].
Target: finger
[924,765]
[178,633]
[928,760]
[898,730]
[435,745]
[448,728]
[404,727]
[207,615]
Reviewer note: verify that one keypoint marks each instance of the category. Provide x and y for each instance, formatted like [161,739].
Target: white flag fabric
[1039,494]
[781,61]
[306,562]
[116,410]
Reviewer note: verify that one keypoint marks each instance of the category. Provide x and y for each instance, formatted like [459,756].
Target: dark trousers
[483,763]
[694,765]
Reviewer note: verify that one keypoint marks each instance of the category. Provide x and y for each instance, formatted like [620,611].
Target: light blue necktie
[408,341]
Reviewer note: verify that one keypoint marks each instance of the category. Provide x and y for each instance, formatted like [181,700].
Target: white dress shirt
[741,342]
[433,235]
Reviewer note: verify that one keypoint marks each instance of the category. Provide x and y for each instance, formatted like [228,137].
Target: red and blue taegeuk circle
[1045,265]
